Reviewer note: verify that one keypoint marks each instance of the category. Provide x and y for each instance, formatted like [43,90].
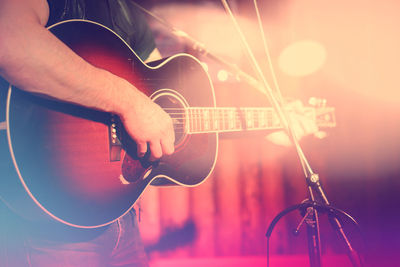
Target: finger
[167,147]
[320,134]
[156,151]
[279,138]
[141,148]
[308,125]
[296,106]
[296,126]
[170,132]
[312,127]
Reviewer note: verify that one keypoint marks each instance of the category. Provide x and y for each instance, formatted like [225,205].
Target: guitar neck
[212,120]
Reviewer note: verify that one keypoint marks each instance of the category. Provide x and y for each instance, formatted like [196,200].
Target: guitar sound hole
[174,105]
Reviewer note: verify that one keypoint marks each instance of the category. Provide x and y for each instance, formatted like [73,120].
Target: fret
[195,120]
[249,119]
[256,119]
[240,119]
[254,113]
[229,125]
[226,116]
[215,120]
[269,118]
[218,119]
[190,116]
[186,121]
[260,118]
[211,119]
[263,117]
[206,119]
[200,119]
[221,119]
[232,119]
[275,120]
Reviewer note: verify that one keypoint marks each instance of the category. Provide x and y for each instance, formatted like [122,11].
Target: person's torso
[119,15]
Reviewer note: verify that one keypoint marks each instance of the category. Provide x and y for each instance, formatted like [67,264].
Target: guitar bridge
[114,141]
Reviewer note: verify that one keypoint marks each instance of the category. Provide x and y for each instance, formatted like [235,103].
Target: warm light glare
[222,75]
[302,58]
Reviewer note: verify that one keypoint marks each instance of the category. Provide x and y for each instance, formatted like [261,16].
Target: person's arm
[34,60]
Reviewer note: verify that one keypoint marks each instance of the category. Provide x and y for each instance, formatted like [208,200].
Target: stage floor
[275,261]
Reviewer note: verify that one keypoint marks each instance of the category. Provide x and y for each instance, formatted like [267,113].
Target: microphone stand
[309,208]
[315,190]
[314,186]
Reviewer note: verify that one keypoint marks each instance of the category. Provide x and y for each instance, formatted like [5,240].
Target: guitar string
[199,119]
[225,119]
[226,123]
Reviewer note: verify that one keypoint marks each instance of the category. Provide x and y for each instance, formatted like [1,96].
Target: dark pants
[25,244]
[118,244]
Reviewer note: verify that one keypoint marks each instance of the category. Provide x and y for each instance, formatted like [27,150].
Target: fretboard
[203,120]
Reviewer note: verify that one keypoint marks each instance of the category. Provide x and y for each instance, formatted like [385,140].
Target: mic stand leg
[313,237]
[351,253]
[334,221]
[337,226]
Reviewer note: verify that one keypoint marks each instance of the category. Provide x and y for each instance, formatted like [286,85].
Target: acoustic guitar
[78,166]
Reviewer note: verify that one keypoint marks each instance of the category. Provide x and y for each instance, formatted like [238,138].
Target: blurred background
[345,52]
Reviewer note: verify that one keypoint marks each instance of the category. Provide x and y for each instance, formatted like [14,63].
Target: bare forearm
[36,61]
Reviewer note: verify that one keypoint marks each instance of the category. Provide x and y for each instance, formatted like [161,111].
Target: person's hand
[148,124]
[302,125]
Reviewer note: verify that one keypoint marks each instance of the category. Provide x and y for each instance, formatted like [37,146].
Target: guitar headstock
[324,116]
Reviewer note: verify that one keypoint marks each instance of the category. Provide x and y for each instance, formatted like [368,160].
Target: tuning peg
[317,102]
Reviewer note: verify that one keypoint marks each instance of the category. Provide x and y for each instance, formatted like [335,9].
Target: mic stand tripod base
[310,217]
[310,210]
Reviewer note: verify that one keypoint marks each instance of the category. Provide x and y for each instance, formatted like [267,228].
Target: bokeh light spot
[302,58]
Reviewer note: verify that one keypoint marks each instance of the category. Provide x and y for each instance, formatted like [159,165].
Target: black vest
[119,15]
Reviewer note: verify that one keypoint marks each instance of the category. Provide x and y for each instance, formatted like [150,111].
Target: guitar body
[67,165]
